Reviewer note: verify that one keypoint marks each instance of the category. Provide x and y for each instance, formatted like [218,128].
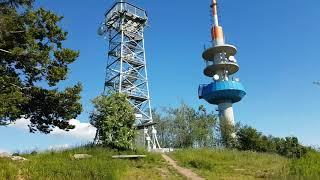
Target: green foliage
[307,167]
[185,127]
[204,128]
[249,138]
[16,3]
[31,53]
[227,134]
[114,119]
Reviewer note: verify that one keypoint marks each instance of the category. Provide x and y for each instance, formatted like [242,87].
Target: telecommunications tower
[126,70]
[221,64]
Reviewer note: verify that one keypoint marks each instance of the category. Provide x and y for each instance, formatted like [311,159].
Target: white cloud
[3,151]
[82,131]
[21,124]
[59,147]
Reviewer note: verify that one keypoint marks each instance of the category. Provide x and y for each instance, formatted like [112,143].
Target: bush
[227,133]
[250,139]
[114,119]
[307,166]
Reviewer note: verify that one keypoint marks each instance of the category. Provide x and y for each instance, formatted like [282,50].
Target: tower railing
[126,7]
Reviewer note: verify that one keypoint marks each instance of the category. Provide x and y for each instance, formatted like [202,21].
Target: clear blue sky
[278,43]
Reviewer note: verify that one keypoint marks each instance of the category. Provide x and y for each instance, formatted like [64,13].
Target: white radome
[216,77]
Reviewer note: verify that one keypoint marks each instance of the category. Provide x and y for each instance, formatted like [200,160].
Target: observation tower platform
[223,91]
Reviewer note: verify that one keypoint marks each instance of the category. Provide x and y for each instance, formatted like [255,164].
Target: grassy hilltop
[61,165]
[224,164]
[210,164]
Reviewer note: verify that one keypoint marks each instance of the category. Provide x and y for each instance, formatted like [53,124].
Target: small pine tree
[114,119]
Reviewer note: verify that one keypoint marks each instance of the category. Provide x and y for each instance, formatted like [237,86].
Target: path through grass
[222,164]
[61,165]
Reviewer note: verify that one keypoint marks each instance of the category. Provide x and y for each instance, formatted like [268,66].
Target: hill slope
[61,165]
[223,164]
[210,164]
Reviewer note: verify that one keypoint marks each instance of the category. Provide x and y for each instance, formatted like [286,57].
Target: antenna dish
[102,30]
[216,77]
[232,59]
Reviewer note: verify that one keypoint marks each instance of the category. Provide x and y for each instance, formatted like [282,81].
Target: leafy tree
[164,129]
[204,128]
[184,127]
[227,130]
[249,138]
[15,3]
[290,147]
[31,58]
[114,119]
[183,120]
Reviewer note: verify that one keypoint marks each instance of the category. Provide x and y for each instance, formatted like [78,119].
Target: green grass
[208,163]
[61,165]
[8,169]
[222,164]
[307,167]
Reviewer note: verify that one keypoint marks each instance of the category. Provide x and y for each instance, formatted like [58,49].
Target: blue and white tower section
[221,66]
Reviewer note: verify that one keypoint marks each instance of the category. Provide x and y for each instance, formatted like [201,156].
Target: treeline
[249,138]
[186,127]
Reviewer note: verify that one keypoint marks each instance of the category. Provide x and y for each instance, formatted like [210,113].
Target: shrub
[250,139]
[307,166]
[114,119]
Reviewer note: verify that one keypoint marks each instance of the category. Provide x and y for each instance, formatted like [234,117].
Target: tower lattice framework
[126,70]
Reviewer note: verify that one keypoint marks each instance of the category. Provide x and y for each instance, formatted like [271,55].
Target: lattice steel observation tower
[126,70]
[221,65]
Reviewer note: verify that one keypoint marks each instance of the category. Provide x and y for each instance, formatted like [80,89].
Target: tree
[164,129]
[227,130]
[31,58]
[184,127]
[183,120]
[249,139]
[290,147]
[204,128]
[15,3]
[114,119]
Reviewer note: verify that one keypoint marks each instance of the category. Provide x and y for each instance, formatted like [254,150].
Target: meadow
[208,163]
[232,164]
[62,165]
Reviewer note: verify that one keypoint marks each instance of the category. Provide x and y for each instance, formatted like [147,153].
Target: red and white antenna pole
[216,31]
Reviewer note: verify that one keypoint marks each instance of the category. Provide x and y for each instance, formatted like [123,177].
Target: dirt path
[183,171]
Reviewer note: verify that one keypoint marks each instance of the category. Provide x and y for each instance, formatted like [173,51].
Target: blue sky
[278,43]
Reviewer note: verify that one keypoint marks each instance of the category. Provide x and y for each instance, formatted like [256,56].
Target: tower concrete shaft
[126,70]
[221,65]
[226,111]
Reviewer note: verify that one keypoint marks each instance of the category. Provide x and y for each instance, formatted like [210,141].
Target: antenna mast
[221,64]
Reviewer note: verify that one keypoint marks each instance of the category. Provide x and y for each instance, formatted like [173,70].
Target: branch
[5,51]
[14,32]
